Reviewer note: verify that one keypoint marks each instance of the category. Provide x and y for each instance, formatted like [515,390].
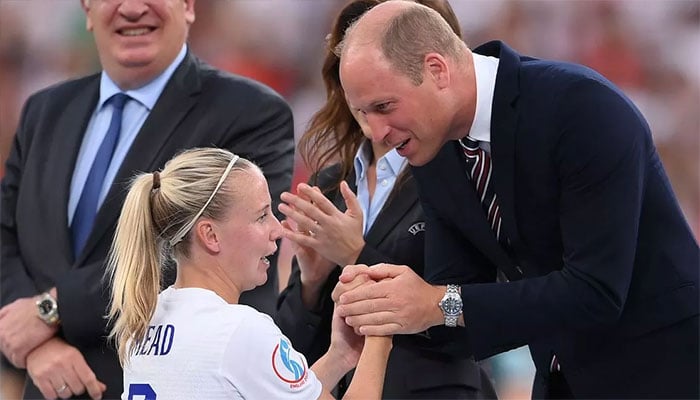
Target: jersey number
[141,389]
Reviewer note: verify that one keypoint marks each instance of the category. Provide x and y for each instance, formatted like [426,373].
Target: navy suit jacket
[417,367]
[200,106]
[603,267]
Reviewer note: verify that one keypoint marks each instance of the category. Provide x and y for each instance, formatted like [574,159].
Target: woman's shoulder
[249,317]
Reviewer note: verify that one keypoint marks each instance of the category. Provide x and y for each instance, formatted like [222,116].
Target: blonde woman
[209,211]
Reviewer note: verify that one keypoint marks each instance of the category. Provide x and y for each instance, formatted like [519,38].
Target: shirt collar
[147,94]
[395,161]
[485,69]
[362,159]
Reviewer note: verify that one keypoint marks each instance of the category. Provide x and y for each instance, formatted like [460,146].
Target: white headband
[183,231]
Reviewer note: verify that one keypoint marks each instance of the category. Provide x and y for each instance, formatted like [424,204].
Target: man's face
[138,39]
[399,114]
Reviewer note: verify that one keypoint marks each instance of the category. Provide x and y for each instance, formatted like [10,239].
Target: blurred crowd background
[650,48]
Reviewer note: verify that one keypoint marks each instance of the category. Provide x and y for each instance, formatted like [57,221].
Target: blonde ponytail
[157,216]
[134,267]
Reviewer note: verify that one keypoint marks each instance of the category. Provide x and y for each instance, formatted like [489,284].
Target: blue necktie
[87,205]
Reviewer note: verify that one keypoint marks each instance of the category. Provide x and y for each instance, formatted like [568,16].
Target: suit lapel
[399,203]
[71,126]
[458,201]
[474,224]
[178,97]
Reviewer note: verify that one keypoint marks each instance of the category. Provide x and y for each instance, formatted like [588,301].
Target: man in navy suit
[53,295]
[542,173]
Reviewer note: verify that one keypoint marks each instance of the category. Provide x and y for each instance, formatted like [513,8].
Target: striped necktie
[479,169]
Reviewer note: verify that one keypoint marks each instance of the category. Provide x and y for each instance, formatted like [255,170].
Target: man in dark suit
[542,171]
[173,102]
[417,368]
[364,209]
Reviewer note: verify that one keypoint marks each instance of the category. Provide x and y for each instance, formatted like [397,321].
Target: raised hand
[314,269]
[335,235]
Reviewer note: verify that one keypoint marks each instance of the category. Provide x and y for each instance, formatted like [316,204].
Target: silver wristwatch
[451,305]
[47,309]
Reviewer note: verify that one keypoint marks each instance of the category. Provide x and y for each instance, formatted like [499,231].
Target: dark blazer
[415,369]
[200,106]
[609,278]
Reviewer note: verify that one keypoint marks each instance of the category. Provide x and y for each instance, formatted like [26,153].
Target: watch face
[45,307]
[452,306]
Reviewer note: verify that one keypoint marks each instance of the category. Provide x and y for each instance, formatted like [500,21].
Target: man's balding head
[408,74]
[403,32]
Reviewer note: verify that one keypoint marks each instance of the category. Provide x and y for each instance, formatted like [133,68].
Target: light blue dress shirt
[134,115]
[389,168]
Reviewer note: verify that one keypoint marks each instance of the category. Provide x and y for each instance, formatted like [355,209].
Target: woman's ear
[205,232]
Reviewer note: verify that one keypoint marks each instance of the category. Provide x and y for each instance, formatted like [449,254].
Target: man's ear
[189,11]
[205,232]
[437,69]
[85,5]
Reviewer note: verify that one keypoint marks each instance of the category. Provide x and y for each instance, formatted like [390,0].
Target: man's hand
[400,302]
[21,330]
[59,370]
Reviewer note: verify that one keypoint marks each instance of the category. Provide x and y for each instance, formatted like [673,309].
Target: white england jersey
[200,347]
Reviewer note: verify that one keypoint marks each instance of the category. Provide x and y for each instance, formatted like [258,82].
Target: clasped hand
[21,330]
[396,301]
[60,370]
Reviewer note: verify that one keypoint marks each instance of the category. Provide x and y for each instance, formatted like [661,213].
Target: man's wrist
[451,305]
[438,318]
[47,309]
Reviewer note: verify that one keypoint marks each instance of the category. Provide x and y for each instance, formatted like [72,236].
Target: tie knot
[118,100]
[469,144]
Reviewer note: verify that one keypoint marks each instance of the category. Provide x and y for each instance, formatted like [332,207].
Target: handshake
[387,299]
[377,300]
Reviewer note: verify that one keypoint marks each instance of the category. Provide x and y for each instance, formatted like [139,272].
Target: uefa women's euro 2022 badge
[289,365]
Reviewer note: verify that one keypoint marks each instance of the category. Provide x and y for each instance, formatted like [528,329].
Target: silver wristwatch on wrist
[47,309]
[451,305]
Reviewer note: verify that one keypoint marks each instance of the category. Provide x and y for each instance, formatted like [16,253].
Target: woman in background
[330,227]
